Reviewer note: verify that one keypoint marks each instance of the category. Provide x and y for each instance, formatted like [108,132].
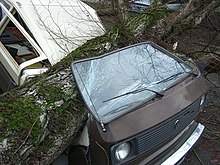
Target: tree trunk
[195,9]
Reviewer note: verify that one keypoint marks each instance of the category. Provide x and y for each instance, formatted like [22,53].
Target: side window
[2,14]
[16,44]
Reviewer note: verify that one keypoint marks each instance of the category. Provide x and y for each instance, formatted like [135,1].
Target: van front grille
[167,129]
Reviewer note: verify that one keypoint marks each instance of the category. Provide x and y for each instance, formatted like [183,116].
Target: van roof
[59,26]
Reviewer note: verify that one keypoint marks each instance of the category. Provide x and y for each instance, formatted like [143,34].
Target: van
[36,34]
[143,102]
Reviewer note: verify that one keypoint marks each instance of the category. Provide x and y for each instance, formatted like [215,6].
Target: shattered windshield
[114,84]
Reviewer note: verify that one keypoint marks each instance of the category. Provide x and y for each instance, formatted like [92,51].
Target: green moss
[42,148]
[2,137]
[45,144]
[50,92]
[20,116]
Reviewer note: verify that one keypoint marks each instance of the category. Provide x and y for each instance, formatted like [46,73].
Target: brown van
[143,103]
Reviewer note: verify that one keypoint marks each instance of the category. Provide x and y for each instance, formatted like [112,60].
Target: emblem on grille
[177,124]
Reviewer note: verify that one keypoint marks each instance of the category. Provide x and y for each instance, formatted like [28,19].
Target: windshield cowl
[116,83]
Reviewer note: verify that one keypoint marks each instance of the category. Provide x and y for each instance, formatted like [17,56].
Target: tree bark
[195,9]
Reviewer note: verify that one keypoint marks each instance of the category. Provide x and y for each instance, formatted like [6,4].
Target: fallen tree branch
[212,39]
[194,10]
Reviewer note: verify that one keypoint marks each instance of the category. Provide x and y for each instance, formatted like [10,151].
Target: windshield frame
[93,110]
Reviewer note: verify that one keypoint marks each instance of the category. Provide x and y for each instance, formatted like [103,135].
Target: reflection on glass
[140,66]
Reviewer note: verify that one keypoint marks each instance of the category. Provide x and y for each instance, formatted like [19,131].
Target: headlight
[202,100]
[122,151]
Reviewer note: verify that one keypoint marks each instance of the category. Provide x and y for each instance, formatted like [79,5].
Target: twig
[217,117]
[211,41]
[205,44]
[213,26]
[27,136]
[211,82]
[197,156]
[215,56]
[211,138]
[70,114]
[199,51]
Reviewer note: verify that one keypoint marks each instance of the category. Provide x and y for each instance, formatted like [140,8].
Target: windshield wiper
[135,92]
[174,76]
[170,77]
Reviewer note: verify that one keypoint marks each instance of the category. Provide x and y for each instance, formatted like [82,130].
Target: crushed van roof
[59,26]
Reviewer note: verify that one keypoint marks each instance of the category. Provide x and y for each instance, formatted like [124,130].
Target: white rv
[36,34]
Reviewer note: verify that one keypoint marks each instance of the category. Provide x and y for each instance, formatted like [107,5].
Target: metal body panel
[169,153]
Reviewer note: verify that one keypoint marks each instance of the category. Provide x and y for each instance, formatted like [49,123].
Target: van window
[16,44]
[2,14]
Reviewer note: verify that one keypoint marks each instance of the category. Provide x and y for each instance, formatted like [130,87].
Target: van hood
[179,100]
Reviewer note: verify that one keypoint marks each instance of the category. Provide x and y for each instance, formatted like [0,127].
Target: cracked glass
[107,83]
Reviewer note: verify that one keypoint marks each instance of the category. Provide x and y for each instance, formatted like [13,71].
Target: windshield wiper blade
[135,92]
[174,76]
[170,77]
